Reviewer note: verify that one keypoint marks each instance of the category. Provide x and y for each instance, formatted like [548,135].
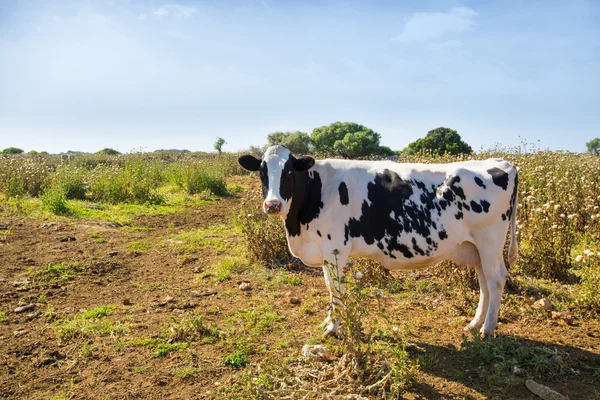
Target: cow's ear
[303,163]
[249,162]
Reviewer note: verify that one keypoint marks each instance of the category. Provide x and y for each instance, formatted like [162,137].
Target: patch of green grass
[3,318]
[163,349]
[257,320]
[504,353]
[138,246]
[141,369]
[152,287]
[59,397]
[98,312]
[236,360]
[101,240]
[89,324]
[196,240]
[55,201]
[185,372]
[87,350]
[288,279]
[57,273]
[226,267]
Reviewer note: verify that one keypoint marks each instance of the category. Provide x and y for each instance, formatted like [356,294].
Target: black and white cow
[405,216]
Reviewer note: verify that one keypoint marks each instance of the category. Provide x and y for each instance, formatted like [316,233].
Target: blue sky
[143,75]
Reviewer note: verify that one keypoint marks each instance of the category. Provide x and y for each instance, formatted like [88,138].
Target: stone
[245,286]
[543,392]
[316,352]
[24,308]
[563,316]
[203,293]
[543,303]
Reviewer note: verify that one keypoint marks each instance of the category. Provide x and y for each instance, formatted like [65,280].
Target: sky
[146,75]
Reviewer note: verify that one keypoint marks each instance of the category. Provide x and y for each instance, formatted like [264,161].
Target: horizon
[148,75]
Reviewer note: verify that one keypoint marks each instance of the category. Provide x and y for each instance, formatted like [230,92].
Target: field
[156,276]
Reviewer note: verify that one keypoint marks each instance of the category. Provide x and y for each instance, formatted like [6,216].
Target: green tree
[298,142]
[347,139]
[218,145]
[440,141]
[12,150]
[108,151]
[593,146]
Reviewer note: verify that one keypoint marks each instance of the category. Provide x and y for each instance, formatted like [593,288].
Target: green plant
[55,201]
[57,273]
[236,360]
[3,318]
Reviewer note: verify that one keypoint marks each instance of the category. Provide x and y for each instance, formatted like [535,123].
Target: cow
[406,216]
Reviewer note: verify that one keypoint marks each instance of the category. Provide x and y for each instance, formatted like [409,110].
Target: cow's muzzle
[272,207]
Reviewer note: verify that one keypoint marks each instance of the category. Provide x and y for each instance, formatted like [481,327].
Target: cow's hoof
[331,330]
[470,328]
[486,334]
[325,322]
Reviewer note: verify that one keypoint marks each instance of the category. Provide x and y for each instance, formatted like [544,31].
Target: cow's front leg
[333,272]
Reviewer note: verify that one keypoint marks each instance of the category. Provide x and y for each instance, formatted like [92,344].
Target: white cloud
[175,10]
[424,26]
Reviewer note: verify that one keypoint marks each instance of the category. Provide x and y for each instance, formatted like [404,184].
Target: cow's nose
[272,206]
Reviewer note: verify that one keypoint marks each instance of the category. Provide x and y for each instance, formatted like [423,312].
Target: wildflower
[562,215]
[358,275]
[588,252]
[579,258]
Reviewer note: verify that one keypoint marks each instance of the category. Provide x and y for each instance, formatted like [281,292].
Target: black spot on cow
[479,182]
[443,235]
[416,247]
[443,204]
[466,206]
[389,194]
[476,207]
[306,190]
[499,177]
[319,233]
[459,215]
[485,205]
[513,198]
[453,183]
[343,189]
[405,251]
[503,217]
[328,236]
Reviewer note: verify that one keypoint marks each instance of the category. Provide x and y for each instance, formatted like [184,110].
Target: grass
[500,356]
[57,273]
[236,359]
[90,324]
[196,240]
[138,246]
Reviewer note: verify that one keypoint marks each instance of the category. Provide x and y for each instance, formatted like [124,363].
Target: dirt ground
[153,285]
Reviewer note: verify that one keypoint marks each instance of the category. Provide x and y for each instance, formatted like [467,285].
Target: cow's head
[279,171]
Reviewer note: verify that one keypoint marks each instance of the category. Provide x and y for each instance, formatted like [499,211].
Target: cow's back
[405,215]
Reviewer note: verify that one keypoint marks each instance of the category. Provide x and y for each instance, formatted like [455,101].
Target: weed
[162,349]
[3,318]
[55,201]
[89,324]
[57,273]
[138,246]
[88,349]
[236,360]
[504,353]
[185,372]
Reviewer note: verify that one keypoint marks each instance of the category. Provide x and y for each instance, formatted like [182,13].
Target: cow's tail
[513,249]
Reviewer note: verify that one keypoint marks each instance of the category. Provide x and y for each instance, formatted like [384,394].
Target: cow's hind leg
[483,304]
[495,274]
